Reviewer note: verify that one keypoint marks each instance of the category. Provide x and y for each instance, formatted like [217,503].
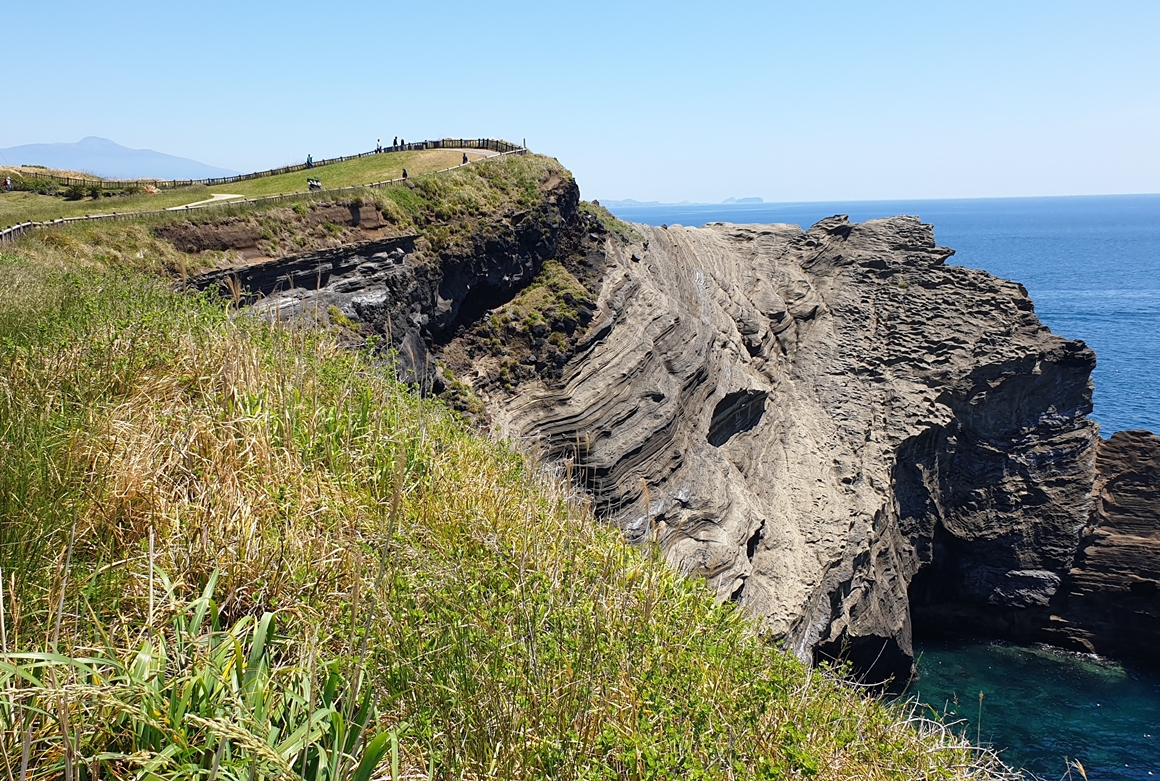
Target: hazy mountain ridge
[108,159]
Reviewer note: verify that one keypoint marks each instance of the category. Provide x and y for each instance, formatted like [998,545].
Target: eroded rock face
[400,288]
[832,427]
[823,417]
[1110,601]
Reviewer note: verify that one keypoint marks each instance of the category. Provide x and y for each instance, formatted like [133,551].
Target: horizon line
[648,204]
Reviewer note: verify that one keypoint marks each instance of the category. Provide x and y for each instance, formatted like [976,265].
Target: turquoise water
[1092,267]
[1042,706]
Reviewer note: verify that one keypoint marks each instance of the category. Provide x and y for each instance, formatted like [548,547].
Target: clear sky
[648,100]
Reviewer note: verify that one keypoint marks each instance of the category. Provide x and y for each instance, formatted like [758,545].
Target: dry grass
[162,449]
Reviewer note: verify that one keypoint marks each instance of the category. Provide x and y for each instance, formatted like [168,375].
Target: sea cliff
[834,427]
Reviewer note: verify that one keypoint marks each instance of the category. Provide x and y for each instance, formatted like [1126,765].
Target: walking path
[211,199]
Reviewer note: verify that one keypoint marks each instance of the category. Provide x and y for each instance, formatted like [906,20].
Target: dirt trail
[211,199]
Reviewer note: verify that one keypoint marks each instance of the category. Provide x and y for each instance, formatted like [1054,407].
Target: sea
[1092,267]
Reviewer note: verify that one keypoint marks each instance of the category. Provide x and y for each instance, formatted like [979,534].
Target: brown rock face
[826,422]
[1110,601]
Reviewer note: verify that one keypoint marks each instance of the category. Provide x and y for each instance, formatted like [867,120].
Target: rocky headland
[835,428]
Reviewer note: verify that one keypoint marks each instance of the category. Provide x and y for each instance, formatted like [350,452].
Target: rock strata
[822,421]
[833,427]
[1110,601]
[401,289]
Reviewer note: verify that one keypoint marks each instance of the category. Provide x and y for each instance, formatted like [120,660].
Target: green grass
[16,207]
[431,598]
[611,224]
[362,170]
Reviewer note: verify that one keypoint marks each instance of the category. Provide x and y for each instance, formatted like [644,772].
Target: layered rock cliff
[832,426]
[814,421]
[1110,601]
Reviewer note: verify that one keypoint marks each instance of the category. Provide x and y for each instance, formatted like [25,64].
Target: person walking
[404,173]
[378,145]
[465,158]
[395,143]
[309,161]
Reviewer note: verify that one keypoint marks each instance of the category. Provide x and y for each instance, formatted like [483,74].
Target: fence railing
[14,232]
[491,144]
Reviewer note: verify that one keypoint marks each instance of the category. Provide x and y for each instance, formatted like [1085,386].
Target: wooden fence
[492,144]
[14,232]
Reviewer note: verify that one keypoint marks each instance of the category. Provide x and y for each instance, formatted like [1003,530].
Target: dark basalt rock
[401,289]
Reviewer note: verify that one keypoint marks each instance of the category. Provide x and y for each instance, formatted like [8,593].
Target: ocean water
[1092,267]
[1043,707]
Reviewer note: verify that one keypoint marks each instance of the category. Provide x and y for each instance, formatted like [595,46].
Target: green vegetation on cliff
[52,203]
[236,550]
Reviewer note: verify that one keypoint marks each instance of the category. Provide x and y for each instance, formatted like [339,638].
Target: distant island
[634,204]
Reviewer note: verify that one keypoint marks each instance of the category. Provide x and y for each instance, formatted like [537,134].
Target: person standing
[404,173]
[395,144]
[465,158]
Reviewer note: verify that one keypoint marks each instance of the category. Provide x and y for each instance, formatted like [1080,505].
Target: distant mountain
[743,200]
[110,160]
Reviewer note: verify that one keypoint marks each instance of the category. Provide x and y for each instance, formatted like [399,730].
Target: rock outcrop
[1110,601]
[822,422]
[399,288]
[833,427]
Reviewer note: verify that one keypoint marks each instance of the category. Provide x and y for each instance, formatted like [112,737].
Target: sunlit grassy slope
[234,550]
[16,207]
[20,206]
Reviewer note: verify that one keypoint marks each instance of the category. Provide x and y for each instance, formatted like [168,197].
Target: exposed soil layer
[281,232]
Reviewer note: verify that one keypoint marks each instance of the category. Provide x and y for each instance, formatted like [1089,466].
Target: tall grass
[189,699]
[165,457]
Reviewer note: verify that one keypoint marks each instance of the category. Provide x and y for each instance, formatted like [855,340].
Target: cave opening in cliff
[480,299]
[739,411]
[872,660]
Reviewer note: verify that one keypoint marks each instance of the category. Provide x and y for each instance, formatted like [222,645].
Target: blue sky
[653,101]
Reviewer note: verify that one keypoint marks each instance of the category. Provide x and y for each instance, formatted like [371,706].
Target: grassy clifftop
[50,203]
[236,550]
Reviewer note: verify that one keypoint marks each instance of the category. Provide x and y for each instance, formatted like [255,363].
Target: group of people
[394,144]
[398,142]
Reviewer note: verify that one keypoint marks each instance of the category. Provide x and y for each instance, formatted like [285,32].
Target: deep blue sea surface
[1092,267]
